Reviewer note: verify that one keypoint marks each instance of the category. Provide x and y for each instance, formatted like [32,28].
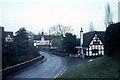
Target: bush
[112,39]
[10,55]
[21,49]
[70,42]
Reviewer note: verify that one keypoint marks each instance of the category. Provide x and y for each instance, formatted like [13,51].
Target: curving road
[52,67]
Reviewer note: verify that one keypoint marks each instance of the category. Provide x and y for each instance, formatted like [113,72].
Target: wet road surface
[52,67]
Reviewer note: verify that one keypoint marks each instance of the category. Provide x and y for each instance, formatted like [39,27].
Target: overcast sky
[36,15]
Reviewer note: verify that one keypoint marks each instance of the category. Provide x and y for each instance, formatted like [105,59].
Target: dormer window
[9,39]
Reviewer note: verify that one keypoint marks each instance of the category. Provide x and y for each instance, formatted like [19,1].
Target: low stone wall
[12,69]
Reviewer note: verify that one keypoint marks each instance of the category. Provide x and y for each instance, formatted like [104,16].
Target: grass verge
[102,67]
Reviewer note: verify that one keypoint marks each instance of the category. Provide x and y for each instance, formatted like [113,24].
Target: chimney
[81,41]
[81,37]
[42,33]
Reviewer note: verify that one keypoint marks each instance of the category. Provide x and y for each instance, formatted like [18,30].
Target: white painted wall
[8,39]
[99,47]
[41,42]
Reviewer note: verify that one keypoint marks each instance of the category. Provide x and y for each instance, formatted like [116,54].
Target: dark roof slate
[8,33]
[87,37]
[101,35]
[38,37]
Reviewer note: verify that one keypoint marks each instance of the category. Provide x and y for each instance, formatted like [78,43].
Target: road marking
[90,60]
[64,70]
[61,72]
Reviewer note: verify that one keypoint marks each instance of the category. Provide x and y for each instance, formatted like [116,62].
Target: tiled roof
[38,37]
[8,33]
[87,37]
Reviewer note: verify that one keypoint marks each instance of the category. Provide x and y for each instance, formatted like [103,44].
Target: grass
[102,67]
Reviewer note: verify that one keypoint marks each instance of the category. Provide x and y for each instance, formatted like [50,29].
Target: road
[73,63]
[52,67]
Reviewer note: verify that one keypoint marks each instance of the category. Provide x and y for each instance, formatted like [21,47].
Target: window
[84,51]
[94,50]
[9,39]
[96,43]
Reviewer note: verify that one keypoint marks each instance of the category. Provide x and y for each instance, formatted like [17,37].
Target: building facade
[7,36]
[91,43]
[42,40]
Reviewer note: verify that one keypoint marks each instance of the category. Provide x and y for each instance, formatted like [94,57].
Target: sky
[36,15]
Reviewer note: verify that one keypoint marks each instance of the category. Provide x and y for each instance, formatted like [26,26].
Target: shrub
[112,39]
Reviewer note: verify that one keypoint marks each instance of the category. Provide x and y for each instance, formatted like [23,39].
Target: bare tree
[60,29]
[108,15]
[91,27]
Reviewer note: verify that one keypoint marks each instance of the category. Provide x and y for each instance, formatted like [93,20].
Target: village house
[91,44]
[7,36]
[42,41]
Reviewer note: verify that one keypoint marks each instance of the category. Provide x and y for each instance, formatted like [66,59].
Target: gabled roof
[8,33]
[101,35]
[87,37]
[47,37]
[38,37]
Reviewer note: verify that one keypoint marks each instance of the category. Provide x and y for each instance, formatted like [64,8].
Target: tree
[56,41]
[108,15]
[30,34]
[91,27]
[60,30]
[21,35]
[112,39]
[70,43]
[21,40]
[19,50]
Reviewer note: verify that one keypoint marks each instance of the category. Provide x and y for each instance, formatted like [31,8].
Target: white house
[7,36]
[42,40]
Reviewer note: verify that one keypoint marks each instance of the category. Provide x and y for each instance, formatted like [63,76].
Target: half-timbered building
[91,43]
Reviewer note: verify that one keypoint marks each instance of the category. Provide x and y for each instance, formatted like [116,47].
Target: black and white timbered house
[91,43]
